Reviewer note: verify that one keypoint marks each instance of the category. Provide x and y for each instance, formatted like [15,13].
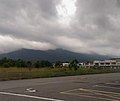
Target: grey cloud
[31,23]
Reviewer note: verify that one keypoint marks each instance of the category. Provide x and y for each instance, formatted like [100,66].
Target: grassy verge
[25,73]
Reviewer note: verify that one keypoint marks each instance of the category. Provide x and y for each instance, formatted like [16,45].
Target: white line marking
[88,96]
[101,91]
[92,90]
[104,93]
[107,87]
[29,96]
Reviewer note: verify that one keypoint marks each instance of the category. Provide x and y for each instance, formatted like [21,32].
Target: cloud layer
[87,26]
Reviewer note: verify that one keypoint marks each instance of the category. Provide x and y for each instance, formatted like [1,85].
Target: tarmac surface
[97,87]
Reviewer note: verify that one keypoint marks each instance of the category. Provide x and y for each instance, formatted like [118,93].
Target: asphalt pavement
[96,87]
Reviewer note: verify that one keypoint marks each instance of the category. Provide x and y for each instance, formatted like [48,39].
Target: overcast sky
[84,26]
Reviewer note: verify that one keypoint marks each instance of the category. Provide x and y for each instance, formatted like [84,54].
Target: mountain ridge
[52,55]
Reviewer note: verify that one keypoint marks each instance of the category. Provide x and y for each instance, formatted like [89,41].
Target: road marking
[29,96]
[104,93]
[112,83]
[114,98]
[100,91]
[89,96]
[92,90]
[107,87]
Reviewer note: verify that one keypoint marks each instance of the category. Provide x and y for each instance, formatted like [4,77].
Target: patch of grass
[26,73]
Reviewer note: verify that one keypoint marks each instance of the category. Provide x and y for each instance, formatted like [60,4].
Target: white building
[113,63]
[65,64]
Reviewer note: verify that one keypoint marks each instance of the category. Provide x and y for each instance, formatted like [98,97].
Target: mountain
[52,55]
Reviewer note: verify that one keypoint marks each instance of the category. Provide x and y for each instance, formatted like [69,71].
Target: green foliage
[37,64]
[6,65]
[73,64]
[58,64]
[25,73]
[20,63]
[33,69]
[5,62]
[45,64]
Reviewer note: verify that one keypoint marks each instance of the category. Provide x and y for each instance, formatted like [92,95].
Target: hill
[52,55]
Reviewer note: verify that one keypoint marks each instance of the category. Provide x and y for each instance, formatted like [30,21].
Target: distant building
[65,64]
[88,64]
[80,64]
[112,63]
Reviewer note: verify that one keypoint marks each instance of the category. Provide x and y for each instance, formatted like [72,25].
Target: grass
[14,73]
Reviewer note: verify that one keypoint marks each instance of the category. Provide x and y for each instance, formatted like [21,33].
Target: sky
[83,26]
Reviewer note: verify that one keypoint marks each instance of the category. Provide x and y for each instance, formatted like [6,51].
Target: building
[112,63]
[88,64]
[65,64]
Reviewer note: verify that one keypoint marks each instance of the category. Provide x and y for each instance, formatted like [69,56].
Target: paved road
[99,87]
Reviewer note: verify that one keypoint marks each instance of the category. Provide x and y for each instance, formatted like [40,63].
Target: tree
[20,63]
[73,64]
[6,65]
[37,64]
[58,64]
[45,64]
[5,62]
[29,65]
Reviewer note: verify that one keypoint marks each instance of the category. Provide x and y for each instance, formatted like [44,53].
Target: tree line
[7,62]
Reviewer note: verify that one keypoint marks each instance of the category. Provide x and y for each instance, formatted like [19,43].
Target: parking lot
[97,87]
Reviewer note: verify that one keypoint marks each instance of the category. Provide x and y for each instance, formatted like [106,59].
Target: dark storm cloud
[94,27]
